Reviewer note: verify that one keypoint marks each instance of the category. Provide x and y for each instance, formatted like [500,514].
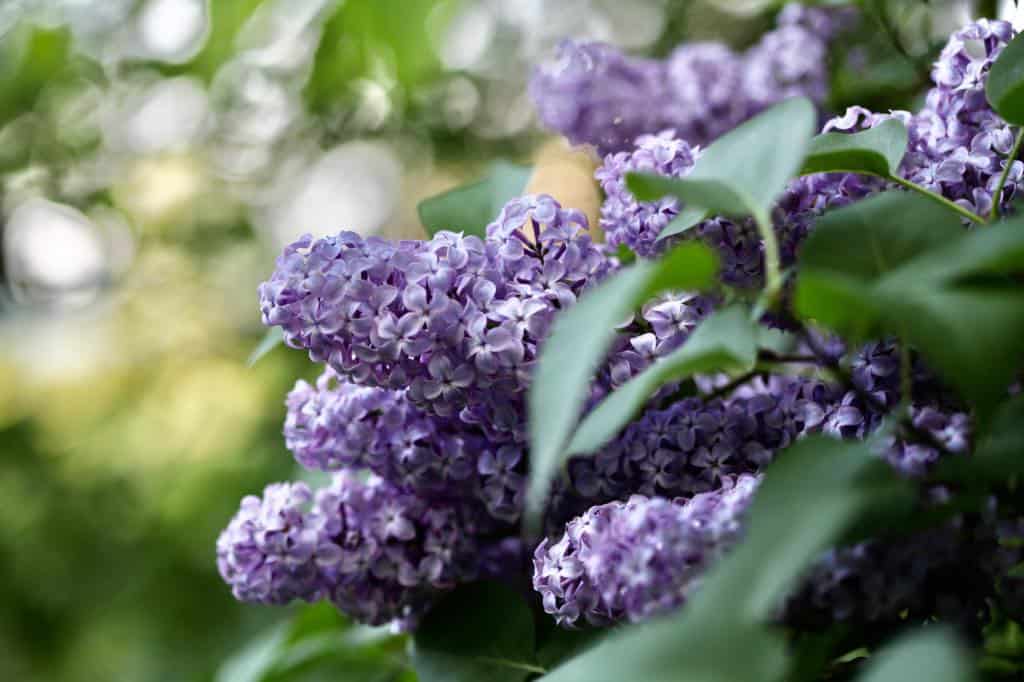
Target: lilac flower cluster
[958,148]
[635,559]
[693,446]
[594,94]
[337,426]
[455,319]
[429,348]
[379,553]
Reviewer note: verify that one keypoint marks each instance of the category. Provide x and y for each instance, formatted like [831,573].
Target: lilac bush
[430,351]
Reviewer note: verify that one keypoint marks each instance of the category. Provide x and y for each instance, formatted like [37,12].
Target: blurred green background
[154,157]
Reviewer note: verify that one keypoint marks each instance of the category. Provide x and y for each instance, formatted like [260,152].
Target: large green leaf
[482,631]
[471,207]
[1005,85]
[894,265]
[838,481]
[876,151]
[745,170]
[998,455]
[933,654]
[580,339]
[874,236]
[725,342]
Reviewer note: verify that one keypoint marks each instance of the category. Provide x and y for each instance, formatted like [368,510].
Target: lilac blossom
[267,554]
[594,94]
[635,559]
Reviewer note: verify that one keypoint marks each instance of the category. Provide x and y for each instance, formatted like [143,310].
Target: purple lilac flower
[637,224]
[593,94]
[635,559]
[455,319]
[267,554]
[962,144]
[692,446]
[337,425]
[944,572]
[385,555]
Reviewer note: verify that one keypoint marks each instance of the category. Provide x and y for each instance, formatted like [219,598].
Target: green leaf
[1005,85]
[933,654]
[470,208]
[838,481]
[745,170]
[876,235]
[257,659]
[970,335]
[688,218]
[482,631]
[998,455]
[271,340]
[580,339]
[876,151]
[895,265]
[725,342]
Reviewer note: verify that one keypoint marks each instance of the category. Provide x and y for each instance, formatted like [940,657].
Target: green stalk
[997,195]
[914,187]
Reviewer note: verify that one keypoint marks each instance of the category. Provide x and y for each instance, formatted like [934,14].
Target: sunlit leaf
[744,171]
[471,207]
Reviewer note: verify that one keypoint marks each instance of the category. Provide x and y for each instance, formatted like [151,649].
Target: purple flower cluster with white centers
[594,94]
[380,553]
[692,446]
[267,554]
[337,425]
[455,319]
[386,554]
[635,559]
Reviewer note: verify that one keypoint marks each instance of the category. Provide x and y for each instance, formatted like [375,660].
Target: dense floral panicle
[455,319]
[593,94]
[944,572]
[959,143]
[706,82]
[692,446]
[384,554]
[337,425]
[635,559]
[267,554]
[633,223]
